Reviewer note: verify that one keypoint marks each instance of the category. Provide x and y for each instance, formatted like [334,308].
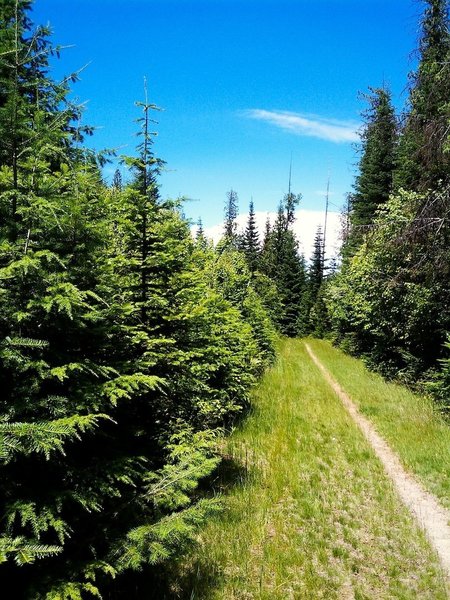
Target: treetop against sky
[243,84]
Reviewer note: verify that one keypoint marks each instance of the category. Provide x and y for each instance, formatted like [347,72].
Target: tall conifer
[230,223]
[374,181]
[424,157]
[251,240]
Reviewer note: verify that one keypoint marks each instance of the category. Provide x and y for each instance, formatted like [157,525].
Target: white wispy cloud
[323,128]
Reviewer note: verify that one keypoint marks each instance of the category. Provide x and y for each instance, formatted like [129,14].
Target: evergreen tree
[251,240]
[200,237]
[316,267]
[117,181]
[230,224]
[282,263]
[424,159]
[374,181]
[312,315]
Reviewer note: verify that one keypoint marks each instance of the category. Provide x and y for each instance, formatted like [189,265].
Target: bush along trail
[310,511]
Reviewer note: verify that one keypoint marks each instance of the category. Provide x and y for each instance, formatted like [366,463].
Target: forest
[129,347]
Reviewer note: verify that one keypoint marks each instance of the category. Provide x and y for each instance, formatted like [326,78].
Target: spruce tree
[282,263]
[251,240]
[424,159]
[374,181]
[230,224]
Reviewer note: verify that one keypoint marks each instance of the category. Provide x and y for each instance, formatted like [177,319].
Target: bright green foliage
[248,294]
[24,551]
[124,346]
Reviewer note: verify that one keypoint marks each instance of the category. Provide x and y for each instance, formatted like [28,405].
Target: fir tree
[282,263]
[117,181]
[316,267]
[374,181]
[200,237]
[312,316]
[251,240]
[423,159]
[231,213]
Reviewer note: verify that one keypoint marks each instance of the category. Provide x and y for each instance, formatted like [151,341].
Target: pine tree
[282,263]
[424,160]
[251,245]
[374,181]
[230,224]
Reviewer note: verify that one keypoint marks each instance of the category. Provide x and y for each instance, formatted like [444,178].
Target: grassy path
[309,511]
[408,422]
[433,518]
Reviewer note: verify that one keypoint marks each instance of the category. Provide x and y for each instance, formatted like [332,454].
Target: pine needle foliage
[126,346]
[389,303]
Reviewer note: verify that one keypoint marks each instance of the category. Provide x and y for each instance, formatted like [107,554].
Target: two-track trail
[310,511]
[431,516]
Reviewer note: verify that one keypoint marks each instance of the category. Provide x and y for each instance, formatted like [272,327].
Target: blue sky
[244,85]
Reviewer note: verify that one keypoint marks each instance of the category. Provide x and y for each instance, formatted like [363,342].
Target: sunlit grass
[309,512]
[410,423]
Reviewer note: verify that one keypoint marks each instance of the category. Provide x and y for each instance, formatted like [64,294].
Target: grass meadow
[308,511]
[409,422]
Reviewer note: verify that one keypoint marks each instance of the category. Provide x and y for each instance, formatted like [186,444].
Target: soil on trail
[431,516]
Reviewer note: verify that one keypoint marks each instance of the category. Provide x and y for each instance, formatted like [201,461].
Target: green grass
[409,422]
[309,513]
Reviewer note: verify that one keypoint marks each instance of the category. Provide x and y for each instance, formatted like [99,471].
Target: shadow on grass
[187,578]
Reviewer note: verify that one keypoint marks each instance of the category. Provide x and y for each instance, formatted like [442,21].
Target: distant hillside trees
[282,263]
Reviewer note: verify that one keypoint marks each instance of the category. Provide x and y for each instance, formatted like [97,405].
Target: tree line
[128,346]
[389,303]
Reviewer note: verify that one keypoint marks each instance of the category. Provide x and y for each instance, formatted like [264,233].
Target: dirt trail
[431,516]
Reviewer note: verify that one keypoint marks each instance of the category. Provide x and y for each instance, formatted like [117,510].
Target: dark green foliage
[374,181]
[230,235]
[390,303]
[251,241]
[282,263]
[424,158]
[312,317]
[117,181]
[439,385]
